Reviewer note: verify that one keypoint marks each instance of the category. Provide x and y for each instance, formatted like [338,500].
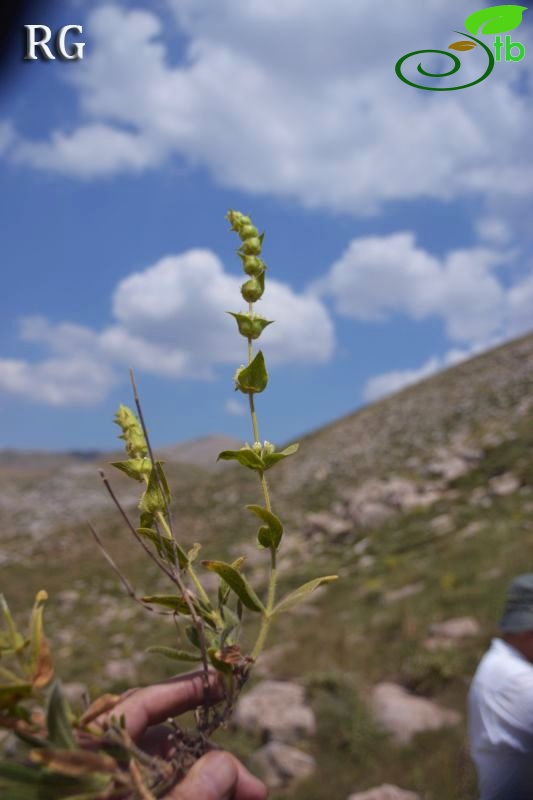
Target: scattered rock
[403,715]
[269,658]
[279,764]
[276,710]
[75,693]
[505,484]
[400,594]
[443,635]
[448,466]
[456,628]
[479,497]
[375,501]
[471,529]
[334,527]
[120,669]
[442,524]
[385,792]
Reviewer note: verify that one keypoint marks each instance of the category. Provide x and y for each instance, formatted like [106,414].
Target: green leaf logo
[495,19]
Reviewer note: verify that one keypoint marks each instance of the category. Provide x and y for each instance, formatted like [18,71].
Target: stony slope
[422,502]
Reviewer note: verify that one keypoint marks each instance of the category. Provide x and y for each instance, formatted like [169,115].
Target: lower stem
[267,617]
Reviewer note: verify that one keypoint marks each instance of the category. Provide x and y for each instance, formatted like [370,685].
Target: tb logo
[39,36]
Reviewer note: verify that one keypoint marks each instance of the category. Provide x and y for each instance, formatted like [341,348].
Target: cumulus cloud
[168,320]
[325,122]
[390,382]
[235,408]
[378,276]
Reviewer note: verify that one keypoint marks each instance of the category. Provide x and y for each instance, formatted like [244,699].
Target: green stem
[271,597]
[267,616]
[189,569]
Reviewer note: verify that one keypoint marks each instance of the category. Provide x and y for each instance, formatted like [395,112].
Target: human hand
[217,775]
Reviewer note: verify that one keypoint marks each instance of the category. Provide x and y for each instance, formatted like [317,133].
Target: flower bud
[253,265]
[235,219]
[253,289]
[256,447]
[268,448]
[248,232]
[251,247]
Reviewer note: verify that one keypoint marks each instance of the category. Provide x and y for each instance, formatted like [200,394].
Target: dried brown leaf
[74,762]
[102,705]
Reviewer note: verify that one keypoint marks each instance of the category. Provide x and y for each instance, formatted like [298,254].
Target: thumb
[213,777]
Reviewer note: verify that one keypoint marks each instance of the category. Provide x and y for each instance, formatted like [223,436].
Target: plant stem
[271,597]
[267,617]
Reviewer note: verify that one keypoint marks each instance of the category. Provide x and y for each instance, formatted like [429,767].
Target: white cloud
[235,408]
[7,136]
[494,230]
[61,381]
[90,151]
[168,320]
[390,382]
[381,275]
[325,121]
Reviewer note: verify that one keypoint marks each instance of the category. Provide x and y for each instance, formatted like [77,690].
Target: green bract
[250,325]
[253,378]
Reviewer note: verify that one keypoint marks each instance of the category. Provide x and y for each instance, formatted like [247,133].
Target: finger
[154,704]
[219,776]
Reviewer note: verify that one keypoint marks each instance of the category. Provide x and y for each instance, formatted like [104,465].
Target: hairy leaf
[237,582]
[57,721]
[135,468]
[41,660]
[155,499]
[176,655]
[74,763]
[102,705]
[254,377]
[269,535]
[245,456]
[167,548]
[269,459]
[295,597]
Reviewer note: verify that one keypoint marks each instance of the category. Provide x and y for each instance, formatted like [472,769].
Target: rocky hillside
[422,502]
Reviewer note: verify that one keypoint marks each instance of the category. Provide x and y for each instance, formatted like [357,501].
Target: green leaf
[245,456]
[135,468]
[250,326]
[191,632]
[167,548]
[41,665]
[237,582]
[10,695]
[495,19]
[194,552]
[176,655]
[295,597]
[221,666]
[171,601]
[57,721]
[153,500]
[179,605]
[254,377]
[269,459]
[269,535]
[224,588]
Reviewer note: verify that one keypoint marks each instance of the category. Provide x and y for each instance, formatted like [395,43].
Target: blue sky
[398,234]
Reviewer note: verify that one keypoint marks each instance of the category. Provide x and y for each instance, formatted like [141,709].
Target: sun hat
[518,612]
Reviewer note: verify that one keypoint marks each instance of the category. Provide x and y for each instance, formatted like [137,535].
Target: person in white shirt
[500,703]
